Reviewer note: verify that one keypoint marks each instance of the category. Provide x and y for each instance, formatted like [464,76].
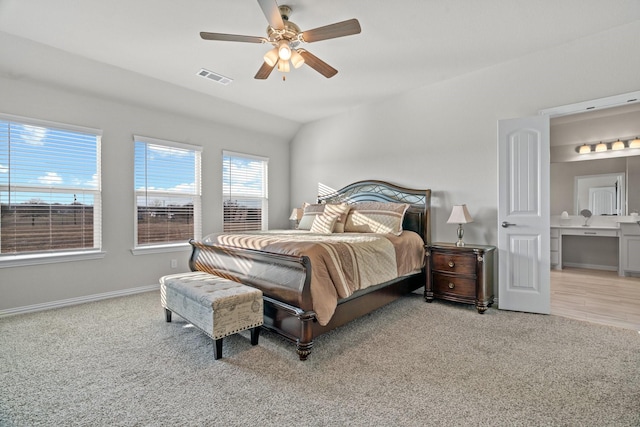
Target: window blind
[50,198]
[244,188]
[168,192]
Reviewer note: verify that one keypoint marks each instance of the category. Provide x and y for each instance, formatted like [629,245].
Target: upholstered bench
[217,306]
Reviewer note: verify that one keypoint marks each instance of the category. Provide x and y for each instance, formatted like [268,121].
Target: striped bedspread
[341,263]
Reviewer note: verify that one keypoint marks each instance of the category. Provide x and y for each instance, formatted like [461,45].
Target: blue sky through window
[47,164]
[157,161]
[242,176]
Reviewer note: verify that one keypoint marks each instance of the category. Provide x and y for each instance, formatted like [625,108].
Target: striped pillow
[311,211]
[324,224]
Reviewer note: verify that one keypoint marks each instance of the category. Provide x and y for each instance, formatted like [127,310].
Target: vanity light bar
[600,147]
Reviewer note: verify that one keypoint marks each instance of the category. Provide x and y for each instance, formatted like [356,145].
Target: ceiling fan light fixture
[284,50]
[271,57]
[283,66]
[296,59]
[285,36]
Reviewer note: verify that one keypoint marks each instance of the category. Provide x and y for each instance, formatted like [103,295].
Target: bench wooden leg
[217,349]
[255,335]
[167,315]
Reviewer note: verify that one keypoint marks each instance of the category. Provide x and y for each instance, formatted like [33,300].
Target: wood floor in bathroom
[596,296]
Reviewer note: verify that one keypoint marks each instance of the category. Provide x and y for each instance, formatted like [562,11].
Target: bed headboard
[417,217]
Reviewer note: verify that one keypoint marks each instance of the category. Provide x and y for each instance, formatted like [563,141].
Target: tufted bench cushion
[217,306]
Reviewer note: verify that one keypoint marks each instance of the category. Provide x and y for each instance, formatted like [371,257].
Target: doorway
[589,294]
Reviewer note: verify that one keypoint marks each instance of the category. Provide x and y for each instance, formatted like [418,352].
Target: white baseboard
[591,266]
[75,301]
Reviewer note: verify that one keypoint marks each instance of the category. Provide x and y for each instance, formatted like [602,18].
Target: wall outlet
[174,263]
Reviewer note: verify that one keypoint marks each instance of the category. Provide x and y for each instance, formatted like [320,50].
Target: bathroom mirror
[602,194]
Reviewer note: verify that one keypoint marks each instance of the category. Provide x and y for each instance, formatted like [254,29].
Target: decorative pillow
[324,223]
[339,210]
[312,211]
[309,214]
[376,217]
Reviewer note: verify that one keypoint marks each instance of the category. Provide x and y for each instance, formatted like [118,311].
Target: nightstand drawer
[444,284]
[458,263]
[461,274]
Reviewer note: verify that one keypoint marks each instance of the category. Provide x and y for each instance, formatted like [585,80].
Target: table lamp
[459,215]
[296,214]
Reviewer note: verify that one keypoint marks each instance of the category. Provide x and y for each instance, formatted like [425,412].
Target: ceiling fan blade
[264,71]
[231,38]
[272,13]
[318,64]
[339,29]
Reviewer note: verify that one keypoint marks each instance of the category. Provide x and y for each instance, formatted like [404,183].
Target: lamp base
[460,234]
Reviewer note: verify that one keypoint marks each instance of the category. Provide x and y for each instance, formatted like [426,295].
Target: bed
[295,281]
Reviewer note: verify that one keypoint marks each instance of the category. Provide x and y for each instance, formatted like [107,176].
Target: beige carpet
[117,363]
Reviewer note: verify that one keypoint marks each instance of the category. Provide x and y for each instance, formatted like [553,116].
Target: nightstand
[460,273]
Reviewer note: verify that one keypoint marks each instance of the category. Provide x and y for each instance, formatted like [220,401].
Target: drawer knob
[451,285]
[451,264]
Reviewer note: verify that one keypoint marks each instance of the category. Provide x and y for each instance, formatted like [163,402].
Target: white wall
[120,270]
[443,136]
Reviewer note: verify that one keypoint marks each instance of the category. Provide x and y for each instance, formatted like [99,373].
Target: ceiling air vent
[214,76]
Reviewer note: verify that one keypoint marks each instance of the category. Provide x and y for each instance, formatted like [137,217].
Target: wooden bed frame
[284,279]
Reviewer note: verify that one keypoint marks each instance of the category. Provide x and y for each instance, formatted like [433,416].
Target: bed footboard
[283,279]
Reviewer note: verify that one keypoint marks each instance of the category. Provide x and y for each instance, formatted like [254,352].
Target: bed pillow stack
[360,217]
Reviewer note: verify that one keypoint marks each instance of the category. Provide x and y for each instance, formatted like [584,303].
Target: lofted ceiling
[150,51]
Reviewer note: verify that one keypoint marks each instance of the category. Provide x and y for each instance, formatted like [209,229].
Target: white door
[602,200]
[523,214]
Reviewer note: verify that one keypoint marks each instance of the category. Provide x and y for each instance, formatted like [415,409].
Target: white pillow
[309,214]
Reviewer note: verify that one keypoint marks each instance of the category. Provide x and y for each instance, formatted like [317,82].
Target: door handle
[506,224]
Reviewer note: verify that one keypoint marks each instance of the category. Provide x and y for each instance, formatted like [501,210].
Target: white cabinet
[555,249]
[630,248]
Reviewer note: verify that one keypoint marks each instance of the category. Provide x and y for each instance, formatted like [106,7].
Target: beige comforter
[341,264]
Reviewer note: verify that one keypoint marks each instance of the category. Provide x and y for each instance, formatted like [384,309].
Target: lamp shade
[296,214]
[634,143]
[601,147]
[618,145]
[283,66]
[296,59]
[584,149]
[284,51]
[459,215]
[271,57]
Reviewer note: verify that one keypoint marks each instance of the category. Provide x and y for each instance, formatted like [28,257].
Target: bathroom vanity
[570,233]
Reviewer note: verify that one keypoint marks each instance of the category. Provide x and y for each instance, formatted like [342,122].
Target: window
[244,188]
[167,186]
[49,188]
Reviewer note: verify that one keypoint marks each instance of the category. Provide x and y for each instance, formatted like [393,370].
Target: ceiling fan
[286,38]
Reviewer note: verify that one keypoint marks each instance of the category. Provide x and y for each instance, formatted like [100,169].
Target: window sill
[49,258]
[158,249]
